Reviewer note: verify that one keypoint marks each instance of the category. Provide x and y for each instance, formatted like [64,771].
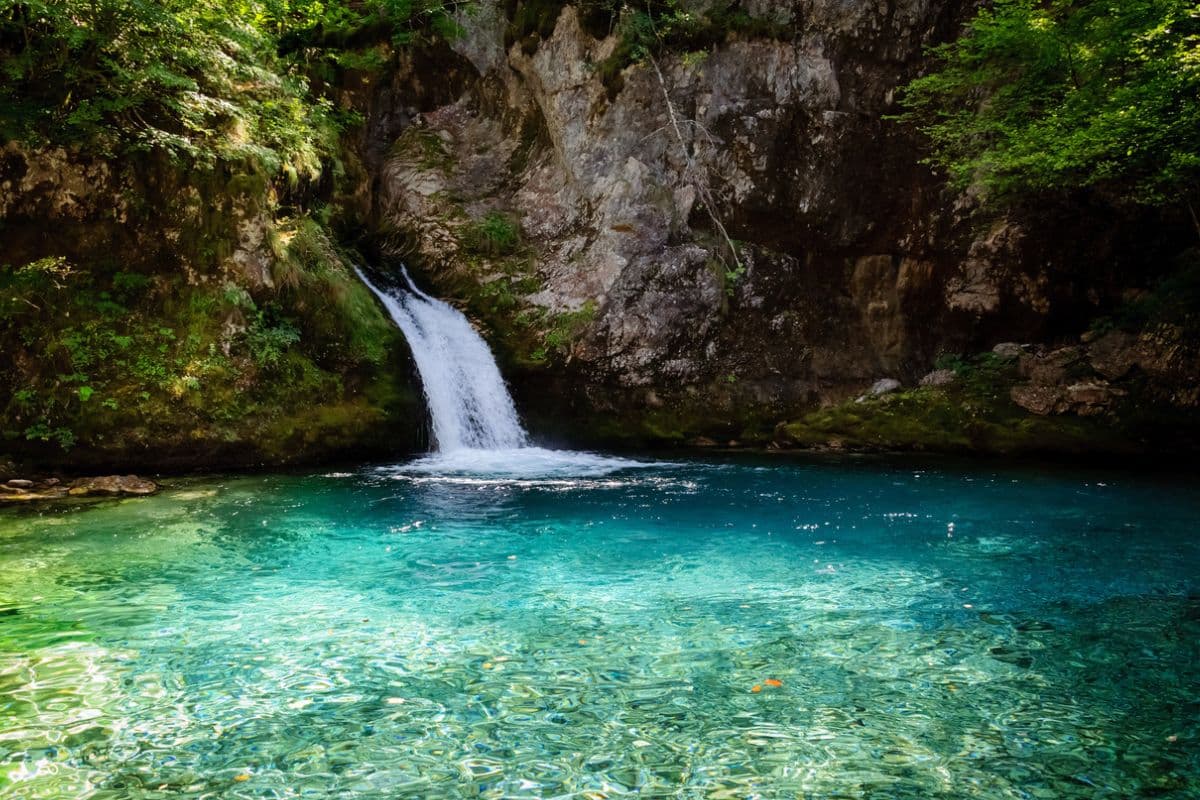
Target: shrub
[496,235]
[1068,94]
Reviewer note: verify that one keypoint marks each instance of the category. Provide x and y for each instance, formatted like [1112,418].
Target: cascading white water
[478,435]
[469,404]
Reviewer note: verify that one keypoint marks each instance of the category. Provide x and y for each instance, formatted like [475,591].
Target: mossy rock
[129,368]
[950,421]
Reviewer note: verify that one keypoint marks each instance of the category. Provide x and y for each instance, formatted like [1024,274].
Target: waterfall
[469,404]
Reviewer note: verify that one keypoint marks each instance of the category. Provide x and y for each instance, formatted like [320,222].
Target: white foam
[467,465]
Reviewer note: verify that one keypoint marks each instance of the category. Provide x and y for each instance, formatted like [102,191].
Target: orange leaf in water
[241,778]
[756,688]
[773,682]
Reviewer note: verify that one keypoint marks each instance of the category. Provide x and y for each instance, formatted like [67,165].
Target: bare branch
[698,178]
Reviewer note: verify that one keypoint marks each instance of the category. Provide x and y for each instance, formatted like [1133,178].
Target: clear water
[433,631]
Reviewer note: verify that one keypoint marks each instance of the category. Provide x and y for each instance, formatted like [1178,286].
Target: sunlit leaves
[201,79]
[1038,97]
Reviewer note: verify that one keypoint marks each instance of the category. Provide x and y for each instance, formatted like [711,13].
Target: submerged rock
[112,485]
[21,490]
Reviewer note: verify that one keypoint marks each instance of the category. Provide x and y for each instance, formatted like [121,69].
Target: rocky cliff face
[719,239]
[714,240]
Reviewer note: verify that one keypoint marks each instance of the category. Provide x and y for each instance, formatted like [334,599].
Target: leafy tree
[1068,94]
[337,24]
[202,79]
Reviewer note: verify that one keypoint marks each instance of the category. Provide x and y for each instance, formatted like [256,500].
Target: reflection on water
[582,626]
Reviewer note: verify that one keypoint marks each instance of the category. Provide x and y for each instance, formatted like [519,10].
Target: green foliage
[269,338]
[342,319]
[496,235]
[974,414]
[424,146]
[735,272]
[983,375]
[41,431]
[681,26]
[948,420]
[1067,94]
[202,80]
[195,78]
[333,26]
[98,354]
[562,330]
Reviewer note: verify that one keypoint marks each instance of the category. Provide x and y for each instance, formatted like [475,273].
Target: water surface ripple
[698,629]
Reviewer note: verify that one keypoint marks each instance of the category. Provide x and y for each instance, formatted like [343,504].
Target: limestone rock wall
[853,261]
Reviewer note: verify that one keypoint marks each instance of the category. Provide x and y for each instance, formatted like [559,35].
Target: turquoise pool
[598,628]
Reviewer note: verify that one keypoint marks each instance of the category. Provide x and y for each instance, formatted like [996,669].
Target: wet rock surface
[21,490]
[113,485]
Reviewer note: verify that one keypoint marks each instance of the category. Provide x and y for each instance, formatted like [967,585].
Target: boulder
[112,485]
[1036,399]
[1052,367]
[1114,354]
[1093,398]
[1086,398]
[1008,350]
[884,386]
[940,377]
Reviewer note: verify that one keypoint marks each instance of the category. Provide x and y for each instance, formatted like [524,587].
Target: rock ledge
[20,490]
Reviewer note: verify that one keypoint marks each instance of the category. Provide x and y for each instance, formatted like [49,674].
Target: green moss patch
[973,415]
[118,364]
